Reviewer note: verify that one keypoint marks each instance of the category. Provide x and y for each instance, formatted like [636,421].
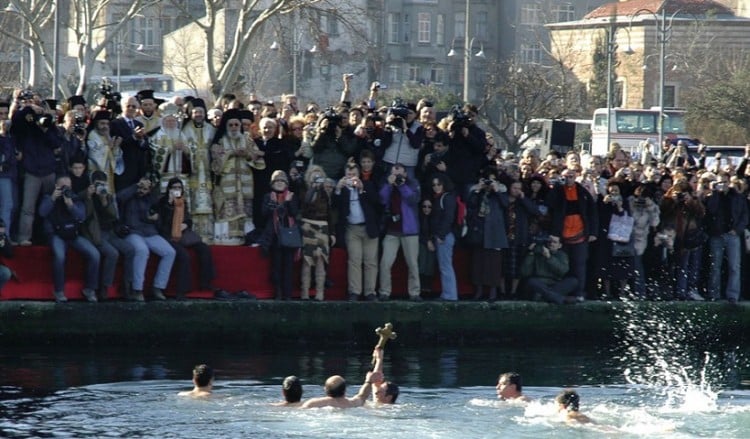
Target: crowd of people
[118,181]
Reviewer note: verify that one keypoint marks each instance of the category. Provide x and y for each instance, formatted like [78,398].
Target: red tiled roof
[688,7]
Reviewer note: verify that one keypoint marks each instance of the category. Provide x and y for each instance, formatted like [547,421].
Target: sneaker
[692,295]
[371,298]
[244,294]
[137,296]
[382,297]
[158,294]
[25,243]
[222,295]
[60,297]
[89,294]
[353,297]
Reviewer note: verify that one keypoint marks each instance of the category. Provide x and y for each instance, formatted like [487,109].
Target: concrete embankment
[263,322]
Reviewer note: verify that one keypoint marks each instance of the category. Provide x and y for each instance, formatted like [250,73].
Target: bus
[629,127]
[553,134]
[163,85]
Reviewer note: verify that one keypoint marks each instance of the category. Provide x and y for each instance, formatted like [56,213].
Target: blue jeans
[445,264]
[726,244]
[7,201]
[86,249]
[123,248]
[687,271]
[5,275]
[578,255]
[160,247]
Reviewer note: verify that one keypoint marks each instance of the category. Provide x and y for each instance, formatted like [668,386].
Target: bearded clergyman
[234,156]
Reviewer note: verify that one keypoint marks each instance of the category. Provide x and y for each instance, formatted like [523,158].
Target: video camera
[111,96]
[398,109]
[459,117]
[45,121]
[79,126]
[333,118]
[26,95]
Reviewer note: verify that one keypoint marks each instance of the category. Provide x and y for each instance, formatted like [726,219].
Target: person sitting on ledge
[509,387]
[544,269]
[568,401]
[335,388]
[203,382]
[291,390]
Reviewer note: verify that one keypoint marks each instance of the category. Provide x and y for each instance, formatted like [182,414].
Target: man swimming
[203,381]
[384,392]
[291,390]
[568,401]
[509,387]
[335,388]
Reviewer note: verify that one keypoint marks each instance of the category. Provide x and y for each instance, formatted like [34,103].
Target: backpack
[460,220]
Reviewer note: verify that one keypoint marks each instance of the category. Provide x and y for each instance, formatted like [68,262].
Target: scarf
[178,218]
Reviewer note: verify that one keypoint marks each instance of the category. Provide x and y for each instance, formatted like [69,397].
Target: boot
[60,297]
[493,294]
[136,296]
[277,293]
[158,294]
[89,294]
[478,292]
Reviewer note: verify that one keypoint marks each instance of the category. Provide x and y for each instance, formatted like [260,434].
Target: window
[530,13]
[393,74]
[670,96]
[440,29]
[413,72]
[393,27]
[329,22]
[564,12]
[406,28]
[459,24]
[424,22]
[531,54]
[143,32]
[480,27]
[436,75]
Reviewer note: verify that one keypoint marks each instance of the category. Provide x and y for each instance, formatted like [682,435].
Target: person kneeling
[544,268]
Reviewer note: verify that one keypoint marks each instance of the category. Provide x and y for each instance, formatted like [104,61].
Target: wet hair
[513,378]
[391,389]
[292,389]
[336,389]
[203,374]
[569,399]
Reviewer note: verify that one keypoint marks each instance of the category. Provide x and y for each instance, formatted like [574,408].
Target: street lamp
[664,33]
[296,44]
[56,52]
[611,48]
[468,48]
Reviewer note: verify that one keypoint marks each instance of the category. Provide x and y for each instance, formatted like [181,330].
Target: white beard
[235,135]
[171,133]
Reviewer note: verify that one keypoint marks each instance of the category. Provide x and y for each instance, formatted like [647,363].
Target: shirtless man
[203,380]
[509,388]
[291,390]
[567,403]
[384,392]
[335,388]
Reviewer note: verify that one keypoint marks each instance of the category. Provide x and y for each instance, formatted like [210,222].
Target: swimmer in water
[568,401]
[291,390]
[335,389]
[203,381]
[509,388]
[384,392]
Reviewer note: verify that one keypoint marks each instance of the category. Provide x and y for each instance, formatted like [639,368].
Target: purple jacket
[409,204]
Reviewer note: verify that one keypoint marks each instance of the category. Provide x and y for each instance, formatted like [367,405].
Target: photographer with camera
[372,137]
[318,219]
[487,235]
[141,215]
[684,213]
[399,196]
[63,212]
[136,159]
[727,218]
[100,227]
[468,142]
[8,169]
[406,137]
[328,150]
[72,133]
[544,268]
[442,160]
[36,138]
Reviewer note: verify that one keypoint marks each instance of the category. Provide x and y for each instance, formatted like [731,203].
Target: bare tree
[521,92]
[29,18]
[251,17]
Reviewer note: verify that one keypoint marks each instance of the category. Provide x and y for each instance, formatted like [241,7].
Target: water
[659,379]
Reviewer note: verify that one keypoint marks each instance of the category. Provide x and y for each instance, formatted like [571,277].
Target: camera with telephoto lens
[434,159]
[398,109]
[487,181]
[399,180]
[319,180]
[79,126]
[540,239]
[45,121]
[113,97]
[26,95]
[67,192]
[460,119]
[100,188]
